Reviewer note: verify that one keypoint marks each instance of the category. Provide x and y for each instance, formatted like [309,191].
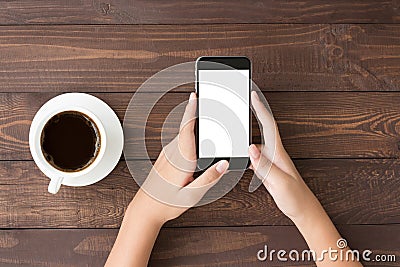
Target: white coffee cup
[58,177]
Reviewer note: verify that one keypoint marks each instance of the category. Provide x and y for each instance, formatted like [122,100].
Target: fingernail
[254,152]
[192,96]
[222,166]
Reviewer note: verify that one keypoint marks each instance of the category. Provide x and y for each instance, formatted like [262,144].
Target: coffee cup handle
[55,184]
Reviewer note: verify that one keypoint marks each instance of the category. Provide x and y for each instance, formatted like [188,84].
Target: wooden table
[329,69]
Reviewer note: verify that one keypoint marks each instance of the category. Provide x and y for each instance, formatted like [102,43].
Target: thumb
[211,175]
[265,170]
[194,192]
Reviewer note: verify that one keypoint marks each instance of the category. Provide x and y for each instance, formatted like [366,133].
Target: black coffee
[70,141]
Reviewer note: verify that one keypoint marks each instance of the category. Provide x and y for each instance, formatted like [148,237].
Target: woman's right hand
[277,171]
[291,194]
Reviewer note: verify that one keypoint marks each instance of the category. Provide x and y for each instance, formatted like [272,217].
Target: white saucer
[111,124]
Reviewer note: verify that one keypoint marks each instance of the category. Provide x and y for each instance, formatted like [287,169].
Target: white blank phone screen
[223,113]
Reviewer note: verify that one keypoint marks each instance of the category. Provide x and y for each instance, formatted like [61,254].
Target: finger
[188,119]
[251,167]
[195,191]
[181,151]
[211,175]
[284,162]
[265,170]
[266,119]
[261,112]
[271,134]
[186,140]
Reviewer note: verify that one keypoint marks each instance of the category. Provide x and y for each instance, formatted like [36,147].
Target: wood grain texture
[312,124]
[227,246]
[351,191]
[285,57]
[347,144]
[197,12]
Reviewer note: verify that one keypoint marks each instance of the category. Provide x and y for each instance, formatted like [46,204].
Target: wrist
[310,213]
[314,224]
[144,211]
[310,209]
[309,218]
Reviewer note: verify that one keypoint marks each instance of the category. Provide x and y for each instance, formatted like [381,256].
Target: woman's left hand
[172,175]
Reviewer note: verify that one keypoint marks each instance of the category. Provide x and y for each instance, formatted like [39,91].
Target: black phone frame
[227,63]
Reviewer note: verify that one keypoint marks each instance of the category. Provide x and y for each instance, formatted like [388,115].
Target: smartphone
[223,125]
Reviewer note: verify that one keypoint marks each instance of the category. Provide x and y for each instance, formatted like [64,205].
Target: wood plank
[312,124]
[286,57]
[195,12]
[352,192]
[226,246]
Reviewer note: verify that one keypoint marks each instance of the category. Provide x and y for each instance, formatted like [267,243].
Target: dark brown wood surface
[209,246]
[198,12]
[346,189]
[285,57]
[330,71]
[312,124]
